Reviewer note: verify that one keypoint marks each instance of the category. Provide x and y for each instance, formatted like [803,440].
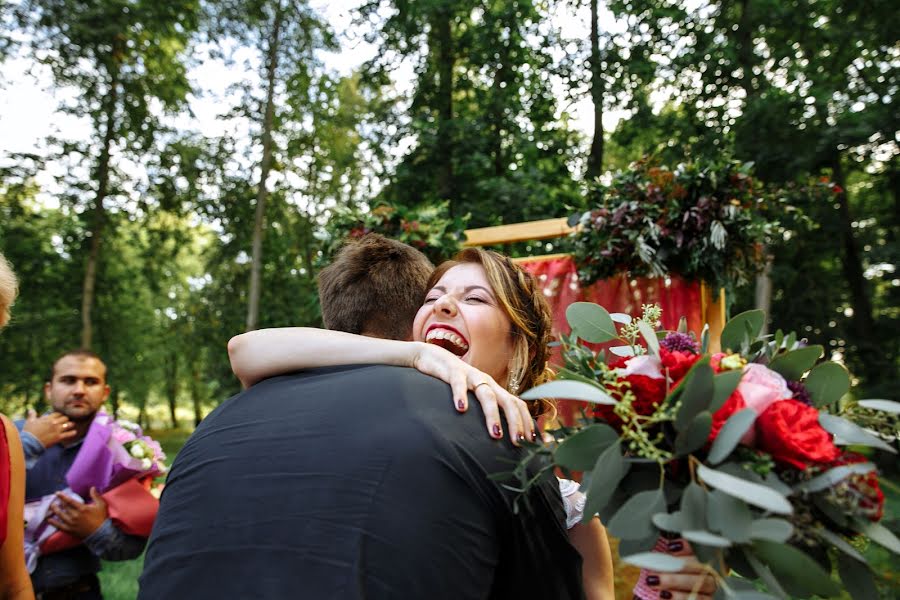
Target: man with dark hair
[354,482]
[387,279]
[76,390]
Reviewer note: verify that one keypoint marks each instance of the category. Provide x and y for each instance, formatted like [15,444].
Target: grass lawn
[119,579]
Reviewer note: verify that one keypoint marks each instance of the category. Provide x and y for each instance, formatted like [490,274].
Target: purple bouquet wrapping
[112,453]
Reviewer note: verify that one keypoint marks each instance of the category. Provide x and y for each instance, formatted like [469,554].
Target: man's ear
[47,391]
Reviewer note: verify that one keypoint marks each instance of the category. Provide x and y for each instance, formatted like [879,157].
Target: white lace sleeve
[573,501]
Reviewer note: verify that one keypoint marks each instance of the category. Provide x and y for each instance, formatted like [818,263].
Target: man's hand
[77,518]
[49,429]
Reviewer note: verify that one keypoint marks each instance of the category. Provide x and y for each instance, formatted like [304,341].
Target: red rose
[648,393]
[734,403]
[789,430]
[678,362]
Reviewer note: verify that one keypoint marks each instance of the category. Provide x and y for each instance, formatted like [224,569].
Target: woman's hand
[462,377]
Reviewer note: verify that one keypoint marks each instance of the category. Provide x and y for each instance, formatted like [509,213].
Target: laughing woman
[484,327]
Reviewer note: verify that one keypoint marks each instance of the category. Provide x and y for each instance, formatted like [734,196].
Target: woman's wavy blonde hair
[523,302]
[9,289]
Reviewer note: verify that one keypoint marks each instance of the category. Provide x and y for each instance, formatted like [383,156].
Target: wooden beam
[518,232]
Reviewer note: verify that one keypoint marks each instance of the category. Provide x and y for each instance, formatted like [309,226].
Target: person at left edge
[76,391]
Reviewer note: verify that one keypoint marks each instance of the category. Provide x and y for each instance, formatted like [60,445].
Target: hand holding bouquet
[743,453]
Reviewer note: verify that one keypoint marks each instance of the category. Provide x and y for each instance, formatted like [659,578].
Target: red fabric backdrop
[558,277]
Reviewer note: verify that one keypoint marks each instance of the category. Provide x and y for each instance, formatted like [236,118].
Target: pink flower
[122,436]
[646,365]
[761,386]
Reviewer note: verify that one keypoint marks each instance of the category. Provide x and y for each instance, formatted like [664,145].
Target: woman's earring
[513,385]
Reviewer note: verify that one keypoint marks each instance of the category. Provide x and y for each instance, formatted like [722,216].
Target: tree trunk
[99,211]
[114,402]
[173,390]
[764,294]
[196,395]
[595,157]
[443,37]
[265,167]
[863,322]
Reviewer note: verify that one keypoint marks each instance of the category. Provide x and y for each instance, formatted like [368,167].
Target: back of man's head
[374,286]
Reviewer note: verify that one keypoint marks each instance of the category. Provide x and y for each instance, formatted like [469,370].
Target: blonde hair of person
[9,289]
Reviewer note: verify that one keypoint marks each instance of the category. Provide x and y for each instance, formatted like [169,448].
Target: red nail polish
[665,595]
[652,580]
[461,405]
[520,437]
[676,546]
[498,433]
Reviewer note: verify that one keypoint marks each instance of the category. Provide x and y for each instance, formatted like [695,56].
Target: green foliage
[705,221]
[428,228]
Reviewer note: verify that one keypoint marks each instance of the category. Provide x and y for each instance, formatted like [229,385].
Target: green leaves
[881,534]
[753,493]
[608,471]
[591,322]
[695,436]
[656,561]
[827,383]
[745,326]
[572,390]
[832,476]
[580,451]
[857,578]
[773,530]
[797,572]
[730,516]
[633,520]
[792,365]
[649,337]
[883,405]
[730,435]
[724,385]
[696,394]
[851,433]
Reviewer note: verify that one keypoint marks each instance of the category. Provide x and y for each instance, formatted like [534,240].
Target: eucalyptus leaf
[730,516]
[827,383]
[766,575]
[706,538]
[750,595]
[591,322]
[695,436]
[730,435]
[883,405]
[696,395]
[756,494]
[604,478]
[571,390]
[622,351]
[672,522]
[881,534]
[737,327]
[693,506]
[633,519]
[791,340]
[638,546]
[620,318]
[649,337]
[724,385]
[794,363]
[857,578]
[840,543]
[569,375]
[851,433]
[799,574]
[579,452]
[773,530]
[833,476]
[656,561]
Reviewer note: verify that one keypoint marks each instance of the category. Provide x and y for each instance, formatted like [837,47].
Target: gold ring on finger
[480,383]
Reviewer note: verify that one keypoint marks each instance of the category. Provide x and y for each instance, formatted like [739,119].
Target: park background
[173,173]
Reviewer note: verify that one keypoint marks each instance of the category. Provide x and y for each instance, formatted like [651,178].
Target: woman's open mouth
[447,338]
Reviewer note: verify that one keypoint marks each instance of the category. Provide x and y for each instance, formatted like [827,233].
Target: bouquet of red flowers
[741,452]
